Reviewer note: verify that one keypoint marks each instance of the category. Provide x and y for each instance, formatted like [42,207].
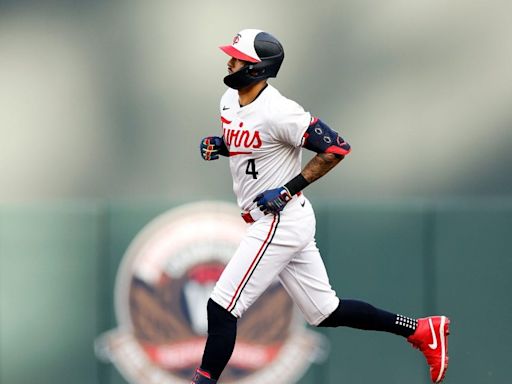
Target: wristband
[297,184]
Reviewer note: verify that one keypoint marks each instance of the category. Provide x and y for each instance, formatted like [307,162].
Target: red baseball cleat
[202,377]
[431,338]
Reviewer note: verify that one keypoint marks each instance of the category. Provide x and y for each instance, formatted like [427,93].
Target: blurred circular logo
[162,287]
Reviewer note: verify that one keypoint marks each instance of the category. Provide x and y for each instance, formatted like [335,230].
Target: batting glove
[211,147]
[273,200]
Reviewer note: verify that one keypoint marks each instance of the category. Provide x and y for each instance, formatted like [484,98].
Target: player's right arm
[213,146]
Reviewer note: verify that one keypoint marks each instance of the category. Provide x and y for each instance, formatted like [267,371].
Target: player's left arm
[319,165]
[330,148]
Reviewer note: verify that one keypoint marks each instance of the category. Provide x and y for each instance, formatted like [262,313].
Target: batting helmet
[262,52]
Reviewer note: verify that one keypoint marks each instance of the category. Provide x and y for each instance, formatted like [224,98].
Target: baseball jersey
[264,140]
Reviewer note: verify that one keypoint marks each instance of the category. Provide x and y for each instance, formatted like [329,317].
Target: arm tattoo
[320,165]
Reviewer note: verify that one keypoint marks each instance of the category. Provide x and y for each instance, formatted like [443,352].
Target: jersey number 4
[251,168]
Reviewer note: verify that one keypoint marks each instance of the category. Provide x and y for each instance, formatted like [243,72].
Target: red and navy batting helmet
[262,52]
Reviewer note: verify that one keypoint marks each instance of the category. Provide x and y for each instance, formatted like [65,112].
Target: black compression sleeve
[361,315]
[221,339]
[223,149]
[297,184]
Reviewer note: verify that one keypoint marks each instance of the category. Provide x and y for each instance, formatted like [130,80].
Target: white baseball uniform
[264,140]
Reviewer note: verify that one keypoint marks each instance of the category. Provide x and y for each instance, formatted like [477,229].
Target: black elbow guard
[320,138]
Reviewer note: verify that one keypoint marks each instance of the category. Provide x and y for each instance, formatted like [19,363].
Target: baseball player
[263,134]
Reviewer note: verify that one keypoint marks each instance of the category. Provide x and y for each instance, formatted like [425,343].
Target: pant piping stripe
[254,264]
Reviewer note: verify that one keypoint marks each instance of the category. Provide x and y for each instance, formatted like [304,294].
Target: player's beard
[241,79]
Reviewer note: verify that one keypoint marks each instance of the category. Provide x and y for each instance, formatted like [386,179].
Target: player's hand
[211,147]
[273,200]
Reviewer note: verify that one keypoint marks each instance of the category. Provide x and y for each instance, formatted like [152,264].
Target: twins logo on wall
[162,286]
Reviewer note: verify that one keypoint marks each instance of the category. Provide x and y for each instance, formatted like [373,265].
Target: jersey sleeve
[289,122]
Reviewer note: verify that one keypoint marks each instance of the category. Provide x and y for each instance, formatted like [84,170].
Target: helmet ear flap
[254,71]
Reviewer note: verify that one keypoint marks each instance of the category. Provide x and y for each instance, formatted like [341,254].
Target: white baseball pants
[279,246]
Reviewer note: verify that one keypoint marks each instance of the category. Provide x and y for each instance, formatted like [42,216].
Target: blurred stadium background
[102,104]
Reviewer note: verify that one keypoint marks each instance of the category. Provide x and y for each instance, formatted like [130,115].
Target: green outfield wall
[58,264]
